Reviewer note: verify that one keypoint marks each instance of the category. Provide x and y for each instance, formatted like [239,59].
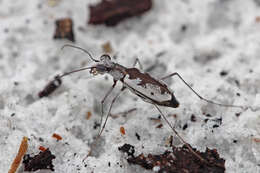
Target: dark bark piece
[180,160]
[127,148]
[64,29]
[111,12]
[43,160]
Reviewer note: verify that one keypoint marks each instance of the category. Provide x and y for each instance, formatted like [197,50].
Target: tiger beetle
[149,89]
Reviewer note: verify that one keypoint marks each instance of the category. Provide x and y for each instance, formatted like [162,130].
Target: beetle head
[99,69]
[106,60]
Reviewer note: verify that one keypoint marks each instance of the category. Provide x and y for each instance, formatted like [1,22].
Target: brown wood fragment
[111,12]
[22,150]
[64,29]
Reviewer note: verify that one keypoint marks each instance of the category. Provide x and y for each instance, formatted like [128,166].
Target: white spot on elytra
[156,168]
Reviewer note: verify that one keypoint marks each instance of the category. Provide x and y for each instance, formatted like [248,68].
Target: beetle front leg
[103,100]
[103,127]
[108,113]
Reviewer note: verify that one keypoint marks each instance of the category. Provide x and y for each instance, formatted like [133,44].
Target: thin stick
[19,156]
[123,113]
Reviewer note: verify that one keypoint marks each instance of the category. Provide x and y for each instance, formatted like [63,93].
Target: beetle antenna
[76,47]
[74,71]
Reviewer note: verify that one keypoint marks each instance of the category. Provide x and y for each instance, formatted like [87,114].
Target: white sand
[219,35]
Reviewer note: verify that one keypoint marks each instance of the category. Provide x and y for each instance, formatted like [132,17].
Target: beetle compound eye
[105,58]
[94,71]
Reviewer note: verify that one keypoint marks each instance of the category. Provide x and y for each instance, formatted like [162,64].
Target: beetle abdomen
[148,90]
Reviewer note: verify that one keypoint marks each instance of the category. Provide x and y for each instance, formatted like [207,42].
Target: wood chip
[88,115]
[58,137]
[122,130]
[42,148]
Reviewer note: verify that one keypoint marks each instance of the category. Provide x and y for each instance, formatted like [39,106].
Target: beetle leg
[103,100]
[111,105]
[202,98]
[103,127]
[177,134]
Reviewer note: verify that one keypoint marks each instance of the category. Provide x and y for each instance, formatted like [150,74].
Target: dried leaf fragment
[112,12]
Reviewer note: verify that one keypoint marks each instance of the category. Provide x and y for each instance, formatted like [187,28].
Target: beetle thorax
[118,72]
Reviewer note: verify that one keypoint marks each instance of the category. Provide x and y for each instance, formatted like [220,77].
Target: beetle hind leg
[177,134]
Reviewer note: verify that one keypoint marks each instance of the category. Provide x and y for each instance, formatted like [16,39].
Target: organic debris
[179,160]
[127,148]
[257,140]
[138,136]
[112,12]
[57,136]
[88,115]
[42,148]
[43,160]
[107,48]
[122,130]
[159,126]
[22,150]
[193,118]
[64,29]
[50,87]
